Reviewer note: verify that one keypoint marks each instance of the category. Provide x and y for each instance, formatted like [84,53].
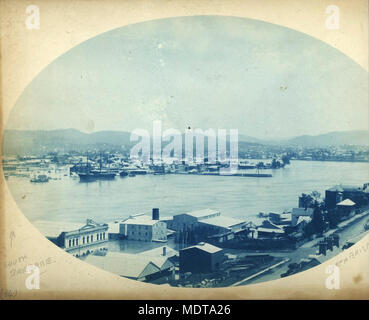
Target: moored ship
[93,175]
[96,175]
[40,178]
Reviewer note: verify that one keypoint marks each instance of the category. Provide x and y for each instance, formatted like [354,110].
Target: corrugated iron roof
[221,221]
[205,247]
[346,203]
[126,264]
[202,213]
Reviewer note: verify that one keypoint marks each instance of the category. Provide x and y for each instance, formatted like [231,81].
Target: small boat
[40,178]
[138,171]
[123,173]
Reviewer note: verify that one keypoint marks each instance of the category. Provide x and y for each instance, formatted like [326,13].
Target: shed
[201,258]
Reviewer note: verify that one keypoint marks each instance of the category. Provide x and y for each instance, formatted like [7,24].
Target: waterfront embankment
[350,230]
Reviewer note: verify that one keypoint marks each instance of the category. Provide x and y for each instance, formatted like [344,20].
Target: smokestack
[155,213]
[164,251]
[329,241]
[336,240]
[322,248]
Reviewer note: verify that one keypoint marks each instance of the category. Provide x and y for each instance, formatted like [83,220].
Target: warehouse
[201,258]
[144,228]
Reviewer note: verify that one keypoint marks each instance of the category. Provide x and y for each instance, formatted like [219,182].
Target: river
[240,197]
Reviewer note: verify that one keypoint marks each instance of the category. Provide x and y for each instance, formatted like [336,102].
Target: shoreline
[353,229]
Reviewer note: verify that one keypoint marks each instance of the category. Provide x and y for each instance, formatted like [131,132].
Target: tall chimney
[322,248]
[155,213]
[329,241]
[164,251]
[336,240]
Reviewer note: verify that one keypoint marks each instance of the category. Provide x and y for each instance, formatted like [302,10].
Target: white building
[75,238]
[300,212]
[144,228]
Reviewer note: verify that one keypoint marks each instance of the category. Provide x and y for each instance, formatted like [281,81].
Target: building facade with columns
[76,239]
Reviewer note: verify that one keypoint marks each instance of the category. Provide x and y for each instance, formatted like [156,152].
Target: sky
[204,72]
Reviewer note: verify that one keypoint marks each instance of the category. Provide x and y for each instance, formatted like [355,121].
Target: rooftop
[302,211]
[221,221]
[303,218]
[346,203]
[140,219]
[342,188]
[127,264]
[205,247]
[55,228]
[158,252]
[203,213]
[261,229]
[144,222]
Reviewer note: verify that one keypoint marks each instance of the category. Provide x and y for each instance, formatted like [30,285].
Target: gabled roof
[221,221]
[261,229]
[341,188]
[302,211]
[202,213]
[162,263]
[125,264]
[143,222]
[158,252]
[205,247]
[346,203]
[55,228]
[303,218]
[269,225]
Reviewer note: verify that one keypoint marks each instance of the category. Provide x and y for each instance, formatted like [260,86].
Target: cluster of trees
[318,223]
[323,218]
[275,164]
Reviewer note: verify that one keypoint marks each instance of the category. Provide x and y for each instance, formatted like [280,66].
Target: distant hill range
[20,142]
[355,137]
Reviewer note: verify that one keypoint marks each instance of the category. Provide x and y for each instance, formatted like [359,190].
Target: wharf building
[201,258]
[209,222]
[142,227]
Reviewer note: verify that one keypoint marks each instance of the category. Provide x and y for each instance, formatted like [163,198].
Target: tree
[260,165]
[333,218]
[308,231]
[315,195]
[285,159]
[306,201]
[318,219]
[275,164]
